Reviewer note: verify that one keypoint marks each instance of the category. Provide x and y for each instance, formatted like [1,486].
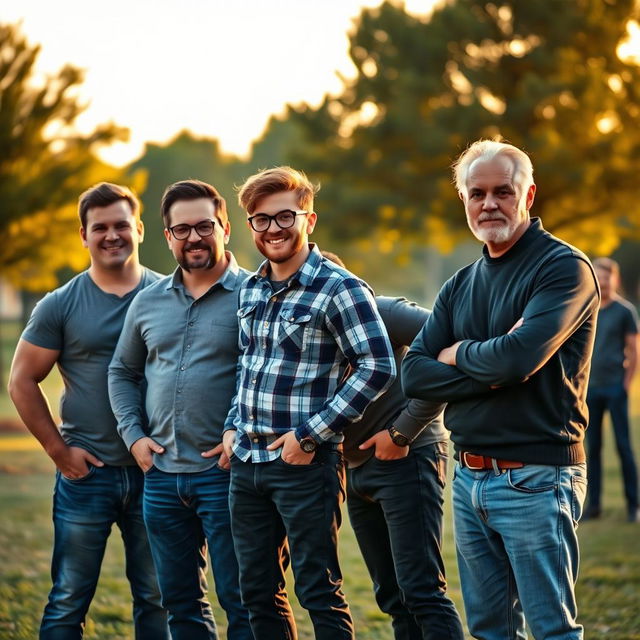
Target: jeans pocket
[150,470]
[578,494]
[84,478]
[533,478]
[309,465]
[442,461]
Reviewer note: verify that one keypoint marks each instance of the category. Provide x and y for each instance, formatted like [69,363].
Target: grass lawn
[608,588]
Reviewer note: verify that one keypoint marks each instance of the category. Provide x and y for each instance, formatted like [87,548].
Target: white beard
[494,235]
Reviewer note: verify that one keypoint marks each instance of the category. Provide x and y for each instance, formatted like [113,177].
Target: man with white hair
[508,347]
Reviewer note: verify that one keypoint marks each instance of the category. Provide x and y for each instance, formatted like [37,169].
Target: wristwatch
[398,438]
[308,444]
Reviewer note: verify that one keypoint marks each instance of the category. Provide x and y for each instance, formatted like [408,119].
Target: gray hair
[487,150]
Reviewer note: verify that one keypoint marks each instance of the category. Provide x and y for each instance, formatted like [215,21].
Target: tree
[187,156]
[544,75]
[44,165]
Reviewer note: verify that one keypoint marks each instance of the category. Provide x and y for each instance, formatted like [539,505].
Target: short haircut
[334,257]
[276,180]
[487,150]
[607,264]
[192,190]
[102,195]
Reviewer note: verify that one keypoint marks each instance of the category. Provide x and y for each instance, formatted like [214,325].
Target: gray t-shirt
[615,322]
[83,322]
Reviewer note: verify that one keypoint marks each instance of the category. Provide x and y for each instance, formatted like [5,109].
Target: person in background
[396,470]
[613,365]
[98,483]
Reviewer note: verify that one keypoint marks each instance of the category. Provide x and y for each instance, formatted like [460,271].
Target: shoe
[592,512]
[633,515]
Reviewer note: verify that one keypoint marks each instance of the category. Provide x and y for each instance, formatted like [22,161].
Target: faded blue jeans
[84,511]
[518,549]
[185,513]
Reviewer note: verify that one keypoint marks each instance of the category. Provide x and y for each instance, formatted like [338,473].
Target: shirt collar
[228,280]
[305,275]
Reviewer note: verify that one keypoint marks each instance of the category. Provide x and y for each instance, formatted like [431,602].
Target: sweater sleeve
[423,377]
[565,295]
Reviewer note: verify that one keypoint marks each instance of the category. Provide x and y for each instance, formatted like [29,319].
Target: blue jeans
[614,399]
[395,508]
[84,511]
[275,507]
[518,549]
[185,513]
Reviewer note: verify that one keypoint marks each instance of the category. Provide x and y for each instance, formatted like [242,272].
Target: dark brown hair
[102,195]
[192,190]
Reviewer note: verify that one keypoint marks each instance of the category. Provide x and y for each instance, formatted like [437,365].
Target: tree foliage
[44,165]
[188,156]
[545,76]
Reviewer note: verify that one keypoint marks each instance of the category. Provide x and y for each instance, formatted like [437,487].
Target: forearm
[368,382]
[33,409]
[417,415]
[126,403]
[630,363]
[424,378]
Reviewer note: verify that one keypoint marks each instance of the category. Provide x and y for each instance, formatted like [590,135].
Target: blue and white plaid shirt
[297,343]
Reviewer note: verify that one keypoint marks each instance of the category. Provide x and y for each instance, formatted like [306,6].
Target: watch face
[308,445]
[398,438]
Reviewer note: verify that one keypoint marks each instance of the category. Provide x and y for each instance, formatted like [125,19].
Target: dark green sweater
[520,395]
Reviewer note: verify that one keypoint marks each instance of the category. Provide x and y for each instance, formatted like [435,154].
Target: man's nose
[490,202]
[112,233]
[193,234]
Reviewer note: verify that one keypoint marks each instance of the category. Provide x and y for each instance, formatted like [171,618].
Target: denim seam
[561,555]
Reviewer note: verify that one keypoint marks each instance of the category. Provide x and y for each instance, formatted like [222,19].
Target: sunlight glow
[216,68]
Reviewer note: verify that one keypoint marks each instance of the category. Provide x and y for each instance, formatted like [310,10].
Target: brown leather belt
[482,463]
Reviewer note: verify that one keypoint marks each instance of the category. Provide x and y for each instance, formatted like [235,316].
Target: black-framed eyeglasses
[284,219]
[204,228]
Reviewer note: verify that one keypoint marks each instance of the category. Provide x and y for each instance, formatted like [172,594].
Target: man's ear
[312,218]
[140,227]
[83,235]
[531,194]
[167,235]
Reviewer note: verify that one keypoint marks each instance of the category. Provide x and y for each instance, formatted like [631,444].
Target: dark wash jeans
[614,399]
[84,511]
[185,513]
[282,512]
[395,508]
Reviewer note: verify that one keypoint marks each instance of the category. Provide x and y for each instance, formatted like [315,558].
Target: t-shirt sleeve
[45,327]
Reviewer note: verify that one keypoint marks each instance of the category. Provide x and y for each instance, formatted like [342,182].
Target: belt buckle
[469,466]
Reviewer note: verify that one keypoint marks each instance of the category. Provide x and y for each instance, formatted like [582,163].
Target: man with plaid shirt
[304,322]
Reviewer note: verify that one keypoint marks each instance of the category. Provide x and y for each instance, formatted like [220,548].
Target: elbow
[517,373]
[14,385]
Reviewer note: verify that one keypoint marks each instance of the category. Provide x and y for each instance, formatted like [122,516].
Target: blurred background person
[614,362]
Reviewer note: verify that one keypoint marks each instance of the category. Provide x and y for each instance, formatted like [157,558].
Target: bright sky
[219,68]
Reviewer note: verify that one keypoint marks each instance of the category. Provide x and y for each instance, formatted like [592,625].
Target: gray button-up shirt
[187,351]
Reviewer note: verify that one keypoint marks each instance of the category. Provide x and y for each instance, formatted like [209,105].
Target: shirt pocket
[293,328]
[246,317]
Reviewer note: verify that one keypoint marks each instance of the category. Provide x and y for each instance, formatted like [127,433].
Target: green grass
[608,589]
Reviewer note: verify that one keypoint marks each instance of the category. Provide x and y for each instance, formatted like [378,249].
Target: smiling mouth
[276,241]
